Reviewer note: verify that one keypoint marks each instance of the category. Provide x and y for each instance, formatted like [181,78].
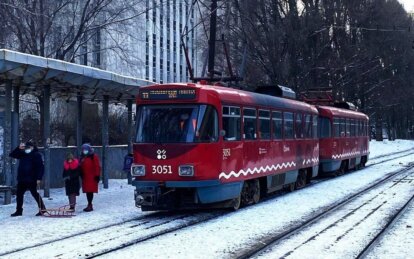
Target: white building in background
[150,46]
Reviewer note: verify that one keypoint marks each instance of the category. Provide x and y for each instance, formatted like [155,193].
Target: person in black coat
[71,174]
[29,175]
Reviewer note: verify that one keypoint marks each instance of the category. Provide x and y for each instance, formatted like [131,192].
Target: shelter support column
[46,138]
[105,136]
[79,125]
[15,140]
[129,107]
[7,140]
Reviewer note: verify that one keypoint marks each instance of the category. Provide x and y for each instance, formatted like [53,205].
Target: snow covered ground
[399,240]
[220,237]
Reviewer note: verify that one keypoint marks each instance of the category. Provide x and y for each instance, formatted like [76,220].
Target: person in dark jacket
[29,175]
[91,171]
[71,174]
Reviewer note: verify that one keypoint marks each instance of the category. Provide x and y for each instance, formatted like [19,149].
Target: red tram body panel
[344,139]
[200,145]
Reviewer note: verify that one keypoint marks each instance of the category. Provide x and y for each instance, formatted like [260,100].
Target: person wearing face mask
[90,172]
[29,175]
[71,173]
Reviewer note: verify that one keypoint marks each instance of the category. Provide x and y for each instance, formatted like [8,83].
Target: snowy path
[349,229]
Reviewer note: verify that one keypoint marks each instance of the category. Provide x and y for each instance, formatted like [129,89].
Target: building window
[146,72]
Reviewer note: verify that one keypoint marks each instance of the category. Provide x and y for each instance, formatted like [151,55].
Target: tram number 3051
[161,169]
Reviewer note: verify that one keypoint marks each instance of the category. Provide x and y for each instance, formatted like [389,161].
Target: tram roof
[66,79]
[334,111]
[233,96]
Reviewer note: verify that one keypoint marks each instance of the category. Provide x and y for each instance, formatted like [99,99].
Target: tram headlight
[138,170]
[186,170]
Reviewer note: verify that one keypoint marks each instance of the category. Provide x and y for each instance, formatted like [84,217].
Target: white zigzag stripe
[346,154]
[256,170]
[309,161]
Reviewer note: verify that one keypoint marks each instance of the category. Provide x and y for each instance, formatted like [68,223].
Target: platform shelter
[50,78]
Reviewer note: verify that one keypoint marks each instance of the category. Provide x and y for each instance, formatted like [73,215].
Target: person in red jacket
[90,171]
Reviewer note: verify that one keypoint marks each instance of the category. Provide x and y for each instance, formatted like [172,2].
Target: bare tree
[69,29]
[350,47]
[59,28]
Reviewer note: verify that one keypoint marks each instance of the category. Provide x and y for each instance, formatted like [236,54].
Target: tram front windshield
[176,124]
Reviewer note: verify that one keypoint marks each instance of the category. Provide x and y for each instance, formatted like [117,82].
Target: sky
[408,5]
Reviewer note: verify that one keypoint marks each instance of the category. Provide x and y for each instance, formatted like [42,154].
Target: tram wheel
[301,180]
[250,192]
[236,203]
[291,187]
[342,169]
[363,161]
[256,191]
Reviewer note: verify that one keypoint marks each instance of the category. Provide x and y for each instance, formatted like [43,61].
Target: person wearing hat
[71,173]
[29,175]
[90,172]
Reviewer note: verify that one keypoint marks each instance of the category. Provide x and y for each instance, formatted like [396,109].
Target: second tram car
[199,145]
[343,139]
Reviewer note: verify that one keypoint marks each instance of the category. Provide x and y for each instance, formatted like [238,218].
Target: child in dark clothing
[71,174]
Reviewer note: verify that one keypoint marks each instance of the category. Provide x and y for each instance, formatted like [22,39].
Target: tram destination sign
[168,94]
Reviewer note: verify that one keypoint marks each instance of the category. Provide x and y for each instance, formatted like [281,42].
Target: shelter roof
[66,79]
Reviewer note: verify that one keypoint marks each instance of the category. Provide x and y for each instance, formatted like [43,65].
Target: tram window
[264,124]
[277,125]
[337,127]
[325,127]
[361,128]
[249,122]
[298,125]
[358,127]
[231,123]
[176,124]
[315,126]
[288,125]
[351,127]
[207,127]
[348,127]
[308,126]
[343,127]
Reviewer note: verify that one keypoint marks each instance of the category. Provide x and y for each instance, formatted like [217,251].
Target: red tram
[344,139]
[199,145]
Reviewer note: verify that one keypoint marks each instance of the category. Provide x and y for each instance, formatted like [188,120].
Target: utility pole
[212,40]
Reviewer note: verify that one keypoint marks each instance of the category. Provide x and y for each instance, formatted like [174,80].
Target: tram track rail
[332,176]
[155,235]
[391,222]
[409,151]
[77,234]
[266,242]
[116,236]
[394,153]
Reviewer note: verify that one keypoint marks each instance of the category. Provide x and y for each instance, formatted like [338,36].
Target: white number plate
[161,169]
